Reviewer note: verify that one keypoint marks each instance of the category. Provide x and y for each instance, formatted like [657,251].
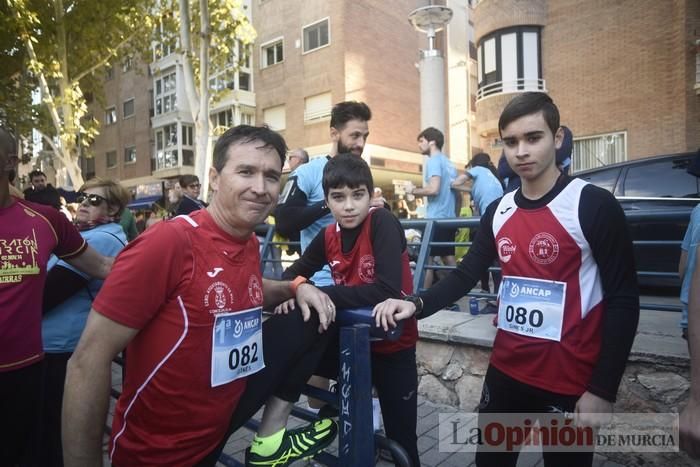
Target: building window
[111,159]
[247,118]
[110,116]
[272,52]
[109,73]
[167,147]
[130,155]
[128,108]
[316,35]
[509,60]
[244,81]
[317,107]
[89,168]
[697,65]
[596,151]
[127,64]
[166,94]
[224,118]
[275,117]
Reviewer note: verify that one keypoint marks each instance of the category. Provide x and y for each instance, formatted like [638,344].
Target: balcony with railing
[510,86]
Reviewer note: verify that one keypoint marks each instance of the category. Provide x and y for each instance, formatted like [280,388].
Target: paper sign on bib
[532,307]
[236,346]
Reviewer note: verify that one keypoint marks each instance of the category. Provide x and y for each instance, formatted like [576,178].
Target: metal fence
[427,227]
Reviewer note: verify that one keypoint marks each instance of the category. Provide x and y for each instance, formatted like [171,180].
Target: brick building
[624,74]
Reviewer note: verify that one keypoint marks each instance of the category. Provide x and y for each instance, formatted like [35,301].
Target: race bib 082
[236,346]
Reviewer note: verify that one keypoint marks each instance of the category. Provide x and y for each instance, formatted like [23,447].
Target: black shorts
[443,234]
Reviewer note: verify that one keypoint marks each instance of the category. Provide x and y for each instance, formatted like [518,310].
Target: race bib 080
[236,346]
[532,307]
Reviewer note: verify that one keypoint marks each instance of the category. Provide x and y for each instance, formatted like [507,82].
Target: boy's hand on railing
[388,312]
[308,297]
[285,307]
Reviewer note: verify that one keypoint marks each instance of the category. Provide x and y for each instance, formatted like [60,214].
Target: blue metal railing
[427,227]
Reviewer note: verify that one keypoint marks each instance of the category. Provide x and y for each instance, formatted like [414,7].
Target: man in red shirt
[29,234]
[185,299]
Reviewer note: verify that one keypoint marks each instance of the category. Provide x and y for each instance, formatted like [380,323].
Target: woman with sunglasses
[68,296]
[190,195]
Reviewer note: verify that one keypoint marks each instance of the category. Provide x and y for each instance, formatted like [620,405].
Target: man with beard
[302,206]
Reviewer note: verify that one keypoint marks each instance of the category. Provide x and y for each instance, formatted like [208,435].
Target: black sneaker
[301,443]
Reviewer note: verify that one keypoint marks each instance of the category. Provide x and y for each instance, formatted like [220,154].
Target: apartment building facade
[315,53]
[625,75]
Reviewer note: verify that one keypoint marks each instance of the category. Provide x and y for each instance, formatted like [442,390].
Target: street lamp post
[430,20]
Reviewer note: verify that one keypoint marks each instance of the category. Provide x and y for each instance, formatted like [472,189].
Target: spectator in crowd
[68,296]
[485,188]
[42,192]
[128,222]
[439,175]
[190,195]
[30,233]
[296,158]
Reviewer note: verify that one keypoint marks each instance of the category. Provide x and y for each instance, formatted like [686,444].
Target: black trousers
[20,393]
[50,452]
[292,350]
[503,394]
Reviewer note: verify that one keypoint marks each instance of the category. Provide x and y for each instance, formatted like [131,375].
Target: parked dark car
[654,185]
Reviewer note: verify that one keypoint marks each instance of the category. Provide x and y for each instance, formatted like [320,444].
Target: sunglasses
[93,199]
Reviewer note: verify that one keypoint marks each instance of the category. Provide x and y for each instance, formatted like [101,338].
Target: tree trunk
[203,158]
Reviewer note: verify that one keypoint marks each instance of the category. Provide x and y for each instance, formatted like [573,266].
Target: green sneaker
[301,443]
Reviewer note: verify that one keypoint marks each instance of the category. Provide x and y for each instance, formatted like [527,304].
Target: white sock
[311,409]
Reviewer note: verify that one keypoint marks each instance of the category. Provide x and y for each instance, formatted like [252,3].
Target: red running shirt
[170,283]
[357,268]
[29,233]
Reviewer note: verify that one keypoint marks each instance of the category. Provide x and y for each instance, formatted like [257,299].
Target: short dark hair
[186,180]
[346,170]
[304,154]
[243,134]
[529,103]
[434,135]
[36,173]
[343,112]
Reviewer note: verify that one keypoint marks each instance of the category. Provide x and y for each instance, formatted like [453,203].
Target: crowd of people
[184,299]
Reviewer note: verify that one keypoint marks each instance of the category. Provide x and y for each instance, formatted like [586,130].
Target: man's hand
[388,312]
[592,411]
[690,428]
[308,297]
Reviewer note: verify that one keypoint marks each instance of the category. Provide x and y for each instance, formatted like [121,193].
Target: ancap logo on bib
[506,249]
[544,248]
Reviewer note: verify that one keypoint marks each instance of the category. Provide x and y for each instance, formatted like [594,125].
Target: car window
[603,178]
[662,179]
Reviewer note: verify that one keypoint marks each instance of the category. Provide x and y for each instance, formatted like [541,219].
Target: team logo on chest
[506,249]
[544,248]
[366,269]
[255,290]
[219,297]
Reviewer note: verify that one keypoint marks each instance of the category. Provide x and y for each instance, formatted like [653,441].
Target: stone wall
[452,374]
